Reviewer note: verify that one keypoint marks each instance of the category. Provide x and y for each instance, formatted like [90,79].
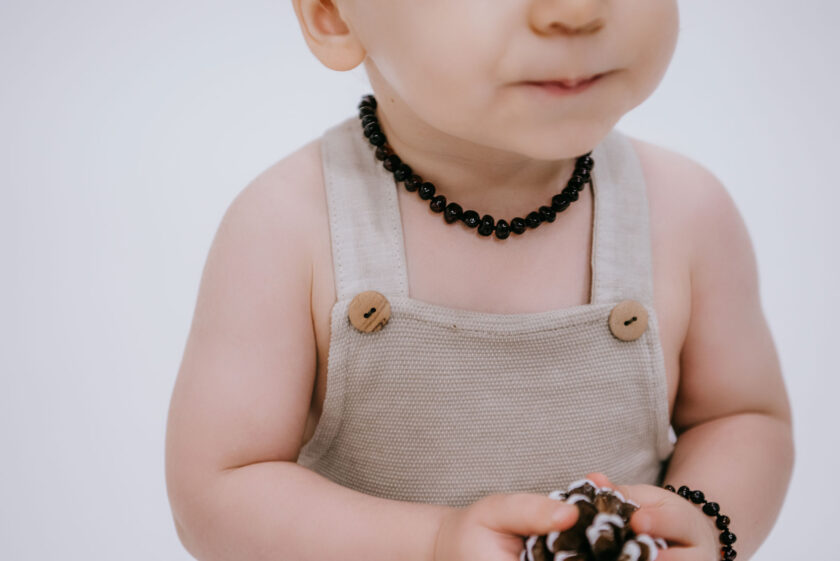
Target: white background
[126,128]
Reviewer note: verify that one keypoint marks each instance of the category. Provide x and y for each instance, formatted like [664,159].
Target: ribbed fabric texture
[447,405]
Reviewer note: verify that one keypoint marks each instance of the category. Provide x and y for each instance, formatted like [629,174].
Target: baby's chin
[570,126]
[551,141]
[541,136]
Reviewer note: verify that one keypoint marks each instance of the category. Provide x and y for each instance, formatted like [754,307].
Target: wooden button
[369,311]
[628,320]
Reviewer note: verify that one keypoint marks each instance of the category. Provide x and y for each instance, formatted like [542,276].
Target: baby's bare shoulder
[676,176]
[288,186]
[685,197]
[282,206]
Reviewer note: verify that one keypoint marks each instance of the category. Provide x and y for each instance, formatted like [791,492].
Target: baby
[472,291]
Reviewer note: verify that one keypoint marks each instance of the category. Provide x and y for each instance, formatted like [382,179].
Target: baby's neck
[485,179]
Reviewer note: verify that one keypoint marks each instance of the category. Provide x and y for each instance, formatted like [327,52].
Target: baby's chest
[535,277]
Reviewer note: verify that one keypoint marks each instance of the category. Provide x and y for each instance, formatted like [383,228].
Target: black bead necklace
[452,212]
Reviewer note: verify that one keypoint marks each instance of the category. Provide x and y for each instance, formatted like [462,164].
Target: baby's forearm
[281,510]
[744,463]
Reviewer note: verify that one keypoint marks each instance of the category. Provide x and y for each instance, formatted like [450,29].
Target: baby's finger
[524,514]
[639,494]
[665,515]
[600,479]
[677,554]
[674,521]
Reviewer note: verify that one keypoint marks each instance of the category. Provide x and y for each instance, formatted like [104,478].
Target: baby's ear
[328,35]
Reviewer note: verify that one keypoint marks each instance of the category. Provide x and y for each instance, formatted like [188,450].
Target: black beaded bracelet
[727,538]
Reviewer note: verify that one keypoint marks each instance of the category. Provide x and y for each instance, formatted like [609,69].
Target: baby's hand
[493,528]
[690,533]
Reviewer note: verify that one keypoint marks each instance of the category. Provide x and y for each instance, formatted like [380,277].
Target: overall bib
[444,405]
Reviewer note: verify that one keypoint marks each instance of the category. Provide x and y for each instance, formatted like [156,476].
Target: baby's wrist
[711,509]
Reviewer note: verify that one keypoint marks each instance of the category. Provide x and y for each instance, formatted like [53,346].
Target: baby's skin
[449,78]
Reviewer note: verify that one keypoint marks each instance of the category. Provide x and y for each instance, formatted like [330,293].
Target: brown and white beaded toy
[602,531]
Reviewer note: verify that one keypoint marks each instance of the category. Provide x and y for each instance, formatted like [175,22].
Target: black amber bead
[583,173]
[547,214]
[728,553]
[727,537]
[533,219]
[560,202]
[402,172]
[487,225]
[502,229]
[438,203]
[485,229]
[377,139]
[517,225]
[671,488]
[585,161]
[697,497]
[452,212]
[470,218]
[722,522]
[369,99]
[426,191]
[683,491]
[366,110]
[368,119]
[711,508]
[413,183]
[570,194]
[391,162]
[372,128]
[576,183]
[382,152]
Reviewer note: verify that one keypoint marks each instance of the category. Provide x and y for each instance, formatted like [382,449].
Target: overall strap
[365,225]
[621,254]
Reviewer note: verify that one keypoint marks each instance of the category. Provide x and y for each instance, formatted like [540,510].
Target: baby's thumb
[525,514]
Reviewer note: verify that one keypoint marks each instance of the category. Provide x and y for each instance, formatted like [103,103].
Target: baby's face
[460,65]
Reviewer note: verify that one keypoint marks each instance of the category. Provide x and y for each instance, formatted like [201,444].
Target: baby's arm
[240,402]
[731,414]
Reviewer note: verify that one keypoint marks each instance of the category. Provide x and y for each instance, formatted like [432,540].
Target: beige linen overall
[445,405]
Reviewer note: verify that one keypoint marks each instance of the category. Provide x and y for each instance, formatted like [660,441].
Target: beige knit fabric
[446,405]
